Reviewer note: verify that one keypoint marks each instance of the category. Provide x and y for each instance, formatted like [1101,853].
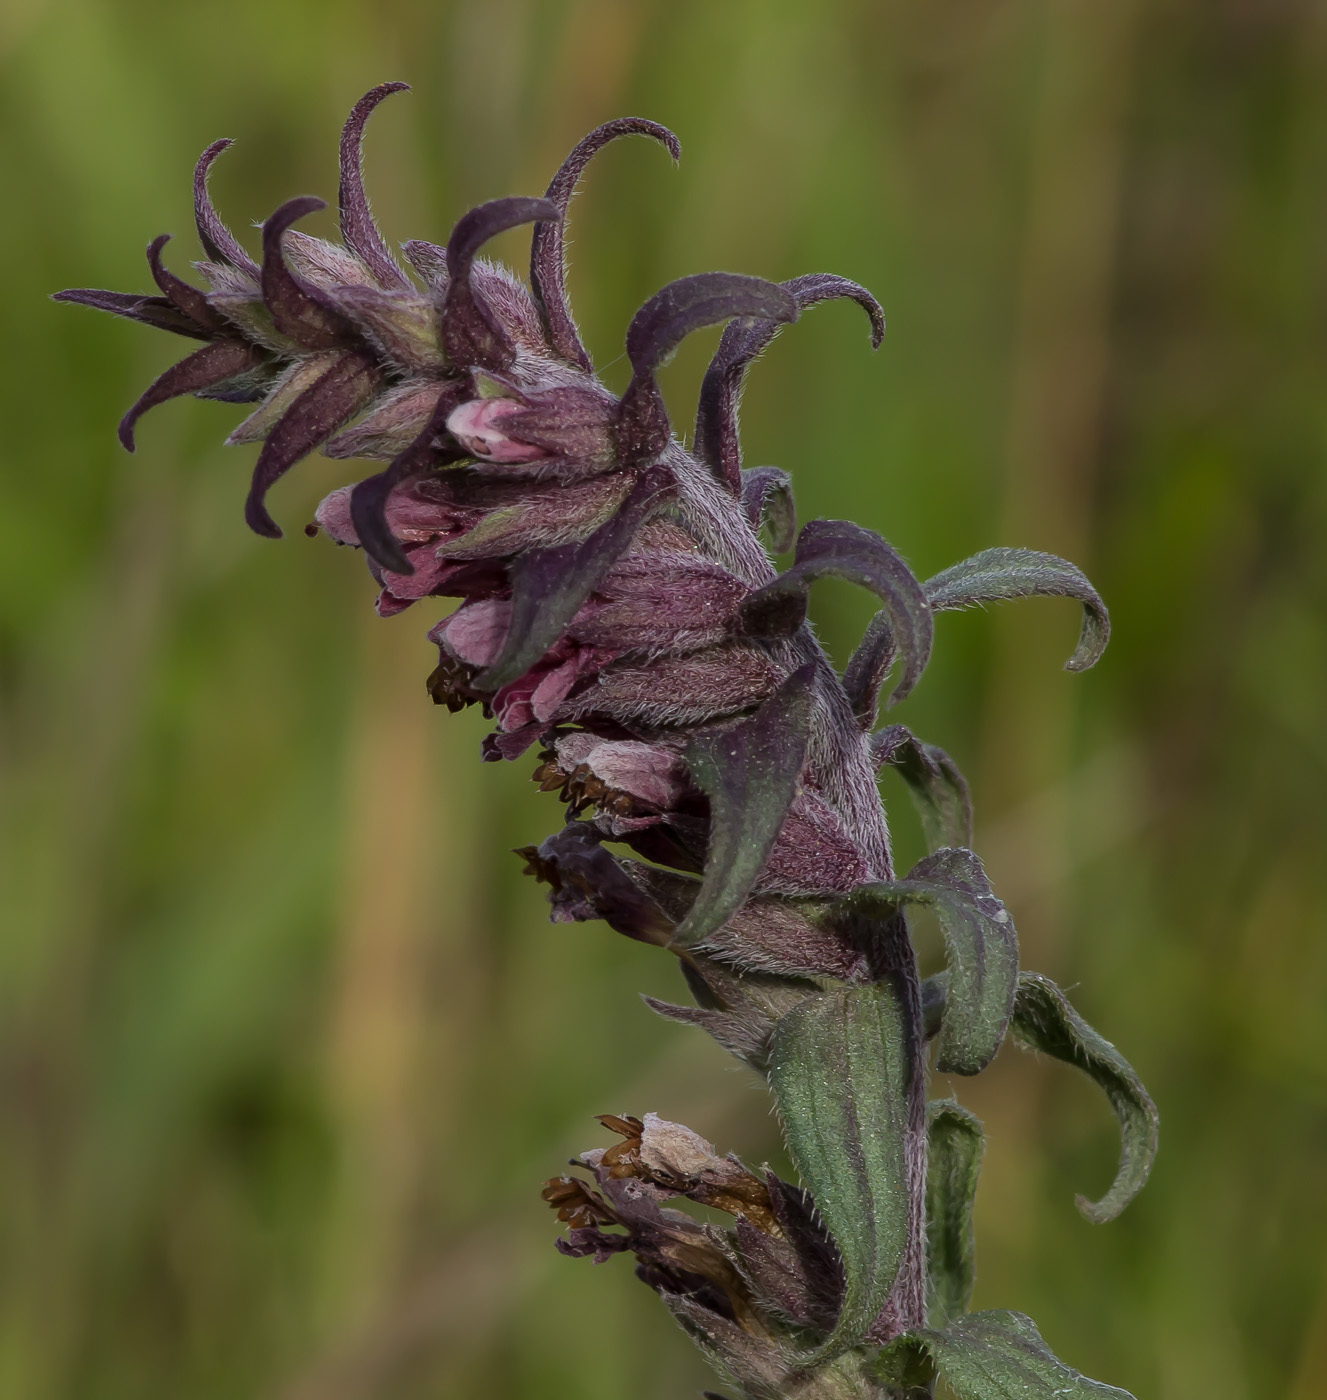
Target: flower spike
[471,334]
[620,614]
[742,342]
[218,242]
[358,230]
[547,268]
[661,325]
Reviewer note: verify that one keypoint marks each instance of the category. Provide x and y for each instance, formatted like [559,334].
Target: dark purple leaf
[432,447]
[1044,1021]
[849,551]
[151,311]
[575,864]
[548,586]
[981,947]
[298,309]
[868,668]
[190,300]
[358,231]
[767,500]
[213,364]
[751,772]
[471,333]
[939,790]
[547,270]
[319,411]
[721,390]
[995,574]
[218,242]
[661,325]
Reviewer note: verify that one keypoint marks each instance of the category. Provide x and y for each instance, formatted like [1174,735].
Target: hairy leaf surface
[996,574]
[995,1355]
[840,1072]
[750,773]
[954,1145]
[981,945]
[1045,1021]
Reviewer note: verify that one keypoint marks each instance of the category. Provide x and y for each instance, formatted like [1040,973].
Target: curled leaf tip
[471,334]
[996,574]
[358,230]
[547,270]
[218,242]
[661,325]
[743,342]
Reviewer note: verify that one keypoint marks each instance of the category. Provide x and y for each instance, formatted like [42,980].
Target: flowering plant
[619,609]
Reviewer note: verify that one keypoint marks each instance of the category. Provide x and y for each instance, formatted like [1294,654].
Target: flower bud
[476,425]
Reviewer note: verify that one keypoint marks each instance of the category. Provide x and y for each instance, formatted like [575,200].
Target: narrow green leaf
[994,1355]
[953,1160]
[980,943]
[841,1072]
[939,791]
[1045,1021]
[995,574]
[750,772]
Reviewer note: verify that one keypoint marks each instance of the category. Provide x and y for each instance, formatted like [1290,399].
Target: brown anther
[543,870]
[576,1205]
[623,1158]
[446,685]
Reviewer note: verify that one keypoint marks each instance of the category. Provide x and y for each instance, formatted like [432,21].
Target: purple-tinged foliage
[358,231]
[617,613]
[741,344]
[547,267]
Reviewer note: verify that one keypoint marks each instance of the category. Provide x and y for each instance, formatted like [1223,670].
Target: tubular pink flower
[477,426]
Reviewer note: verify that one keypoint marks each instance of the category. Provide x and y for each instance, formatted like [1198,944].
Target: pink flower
[476,426]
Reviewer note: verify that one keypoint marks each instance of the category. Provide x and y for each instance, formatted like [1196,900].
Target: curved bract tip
[179,293]
[298,309]
[547,269]
[218,242]
[358,230]
[471,335]
[661,325]
[717,440]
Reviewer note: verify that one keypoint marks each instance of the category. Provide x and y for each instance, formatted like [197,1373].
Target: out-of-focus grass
[287,1045]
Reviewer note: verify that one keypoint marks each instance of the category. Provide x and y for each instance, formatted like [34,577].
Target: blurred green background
[287,1046]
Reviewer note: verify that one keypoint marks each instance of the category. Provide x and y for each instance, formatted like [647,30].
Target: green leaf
[995,574]
[939,791]
[953,1161]
[994,1355]
[981,945]
[841,1072]
[750,773]
[1044,1020]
